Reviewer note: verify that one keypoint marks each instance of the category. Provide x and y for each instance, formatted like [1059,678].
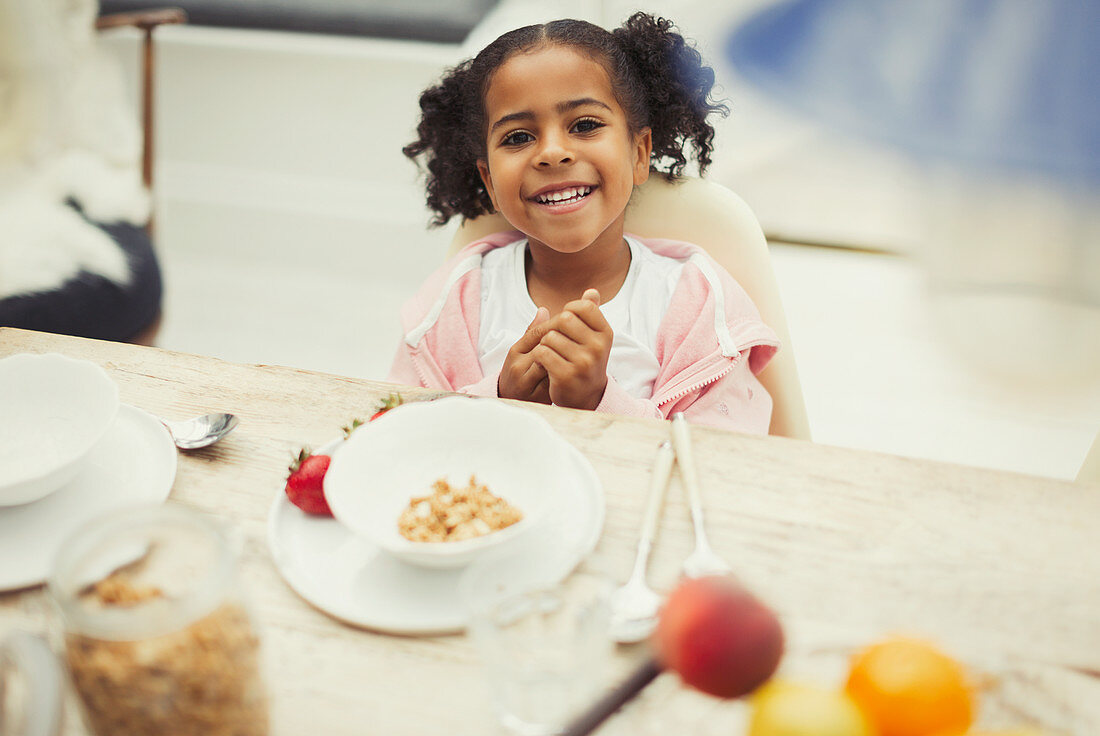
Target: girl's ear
[643,148]
[487,180]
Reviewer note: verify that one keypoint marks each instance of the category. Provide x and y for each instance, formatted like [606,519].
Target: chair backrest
[1090,468]
[720,222]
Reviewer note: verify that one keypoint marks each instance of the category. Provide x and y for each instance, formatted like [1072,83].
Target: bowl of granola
[439,483]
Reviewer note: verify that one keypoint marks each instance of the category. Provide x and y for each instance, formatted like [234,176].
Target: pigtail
[677,87]
[450,152]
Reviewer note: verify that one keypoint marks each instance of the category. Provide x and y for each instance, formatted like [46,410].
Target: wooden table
[1003,570]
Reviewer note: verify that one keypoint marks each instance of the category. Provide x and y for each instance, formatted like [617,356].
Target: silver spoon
[702,561]
[200,431]
[634,606]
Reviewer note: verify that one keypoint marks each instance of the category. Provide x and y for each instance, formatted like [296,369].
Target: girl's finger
[573,326]
[541,390]
[554,363]
[535,331]
[535,372]
[585,355]
[591,295]
[589,312]
[563,346]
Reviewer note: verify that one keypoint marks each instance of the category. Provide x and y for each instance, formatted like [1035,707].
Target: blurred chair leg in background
[147,21]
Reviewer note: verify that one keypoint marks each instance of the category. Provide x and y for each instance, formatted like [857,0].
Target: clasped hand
[561,359]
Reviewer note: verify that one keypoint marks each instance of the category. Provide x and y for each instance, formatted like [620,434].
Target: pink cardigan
[710,345]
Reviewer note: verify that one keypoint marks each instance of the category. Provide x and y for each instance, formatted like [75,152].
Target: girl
[553,126]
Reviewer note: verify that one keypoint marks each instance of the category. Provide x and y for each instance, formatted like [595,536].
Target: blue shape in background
[994,84]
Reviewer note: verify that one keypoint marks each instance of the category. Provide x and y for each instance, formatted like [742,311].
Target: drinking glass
[543,640]
[31,687]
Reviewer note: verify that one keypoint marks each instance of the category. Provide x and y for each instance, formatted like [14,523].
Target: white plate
[134,464]
[354,581]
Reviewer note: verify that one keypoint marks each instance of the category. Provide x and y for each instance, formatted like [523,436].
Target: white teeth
[564,195]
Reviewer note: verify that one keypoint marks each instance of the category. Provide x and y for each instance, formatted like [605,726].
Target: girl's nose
[554,152]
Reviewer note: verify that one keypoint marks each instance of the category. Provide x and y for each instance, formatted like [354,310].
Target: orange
[908,687]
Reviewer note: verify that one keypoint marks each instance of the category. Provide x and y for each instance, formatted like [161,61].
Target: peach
[718,637]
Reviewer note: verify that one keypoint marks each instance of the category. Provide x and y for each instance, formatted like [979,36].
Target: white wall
[280,185]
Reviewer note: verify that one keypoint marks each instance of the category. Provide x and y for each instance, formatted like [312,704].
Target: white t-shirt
[634,313]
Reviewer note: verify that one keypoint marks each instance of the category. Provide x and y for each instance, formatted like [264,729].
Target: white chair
[720,222]
[1090,468]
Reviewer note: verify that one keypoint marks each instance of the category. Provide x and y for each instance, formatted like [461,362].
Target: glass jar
[157,635]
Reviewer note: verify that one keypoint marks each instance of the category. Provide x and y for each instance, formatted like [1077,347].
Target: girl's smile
[565,198]
[561,160]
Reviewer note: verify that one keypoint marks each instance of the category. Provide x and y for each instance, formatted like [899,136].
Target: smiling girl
[553,126]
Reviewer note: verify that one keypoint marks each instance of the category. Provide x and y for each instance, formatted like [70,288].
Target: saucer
[134,464]
[354,581]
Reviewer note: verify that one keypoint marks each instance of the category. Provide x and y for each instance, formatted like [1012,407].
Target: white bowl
[53,410]
[385,463]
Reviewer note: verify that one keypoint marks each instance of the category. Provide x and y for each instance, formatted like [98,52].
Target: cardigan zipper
[711,379]
[419,369]
[697,386]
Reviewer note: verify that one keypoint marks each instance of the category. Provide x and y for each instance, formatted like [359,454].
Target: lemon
[783,708]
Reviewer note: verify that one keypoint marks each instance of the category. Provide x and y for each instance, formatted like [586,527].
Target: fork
[703,560]
[634,606]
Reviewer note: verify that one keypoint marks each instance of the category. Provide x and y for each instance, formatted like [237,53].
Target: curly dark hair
[657,77]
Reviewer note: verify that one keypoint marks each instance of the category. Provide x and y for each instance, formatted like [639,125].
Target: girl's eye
[587,125]
[517,138]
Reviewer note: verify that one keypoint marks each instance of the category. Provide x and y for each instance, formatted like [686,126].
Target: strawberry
[388,403]
[304,484]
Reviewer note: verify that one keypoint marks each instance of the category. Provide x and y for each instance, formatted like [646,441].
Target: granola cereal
[201,680]
[451,514]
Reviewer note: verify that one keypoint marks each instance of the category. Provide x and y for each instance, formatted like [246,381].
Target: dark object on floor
[90,305]
[417,20]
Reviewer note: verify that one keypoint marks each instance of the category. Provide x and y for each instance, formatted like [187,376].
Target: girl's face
[561,159]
